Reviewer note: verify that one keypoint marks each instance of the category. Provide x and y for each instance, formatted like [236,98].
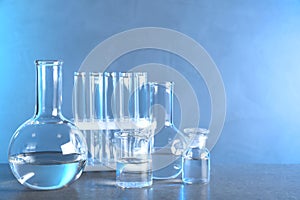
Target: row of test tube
[104,103]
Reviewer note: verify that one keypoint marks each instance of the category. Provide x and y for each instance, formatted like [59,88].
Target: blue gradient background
[255,45]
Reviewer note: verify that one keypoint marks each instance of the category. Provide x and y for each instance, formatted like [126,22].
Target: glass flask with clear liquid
[169,142]
[47,151]
[196,159]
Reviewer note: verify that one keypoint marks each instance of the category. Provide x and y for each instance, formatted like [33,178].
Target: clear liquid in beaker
[134,173]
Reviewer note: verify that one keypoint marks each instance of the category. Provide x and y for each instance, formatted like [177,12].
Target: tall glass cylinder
[47,151]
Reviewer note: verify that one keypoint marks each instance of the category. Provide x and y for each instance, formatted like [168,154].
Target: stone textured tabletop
[227,182]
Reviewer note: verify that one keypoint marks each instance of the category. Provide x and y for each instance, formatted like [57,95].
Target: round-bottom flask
[169,142]
[196,159]
[47,151]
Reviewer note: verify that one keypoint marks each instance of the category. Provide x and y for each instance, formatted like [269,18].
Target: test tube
[81,104]
[129,98]
[80,97]
[98,92]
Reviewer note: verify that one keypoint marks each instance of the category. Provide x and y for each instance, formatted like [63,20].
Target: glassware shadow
[194,191]
[141,193]
[68,193]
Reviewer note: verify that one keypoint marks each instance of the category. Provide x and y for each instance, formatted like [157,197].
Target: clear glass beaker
[196,159]
[169,142]
[47,151]
[134,163]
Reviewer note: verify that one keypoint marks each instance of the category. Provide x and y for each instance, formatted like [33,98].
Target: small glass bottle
[196,159]
[47,151]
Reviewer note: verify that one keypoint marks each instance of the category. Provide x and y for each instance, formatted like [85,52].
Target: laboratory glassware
[47,151]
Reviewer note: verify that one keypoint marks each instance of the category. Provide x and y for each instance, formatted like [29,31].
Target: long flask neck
[49,88]
[163,96]
[199,140]
[169,87]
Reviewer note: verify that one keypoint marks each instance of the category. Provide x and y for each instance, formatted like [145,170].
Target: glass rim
[140,73]
[48,62]
[162,83]
[129,74]
[98,74]
[79,73]
[203,131]
[138,132]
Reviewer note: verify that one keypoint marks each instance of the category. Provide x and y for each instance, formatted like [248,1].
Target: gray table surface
[227,182]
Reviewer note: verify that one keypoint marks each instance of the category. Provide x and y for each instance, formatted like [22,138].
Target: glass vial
[196,159]
[47,151]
